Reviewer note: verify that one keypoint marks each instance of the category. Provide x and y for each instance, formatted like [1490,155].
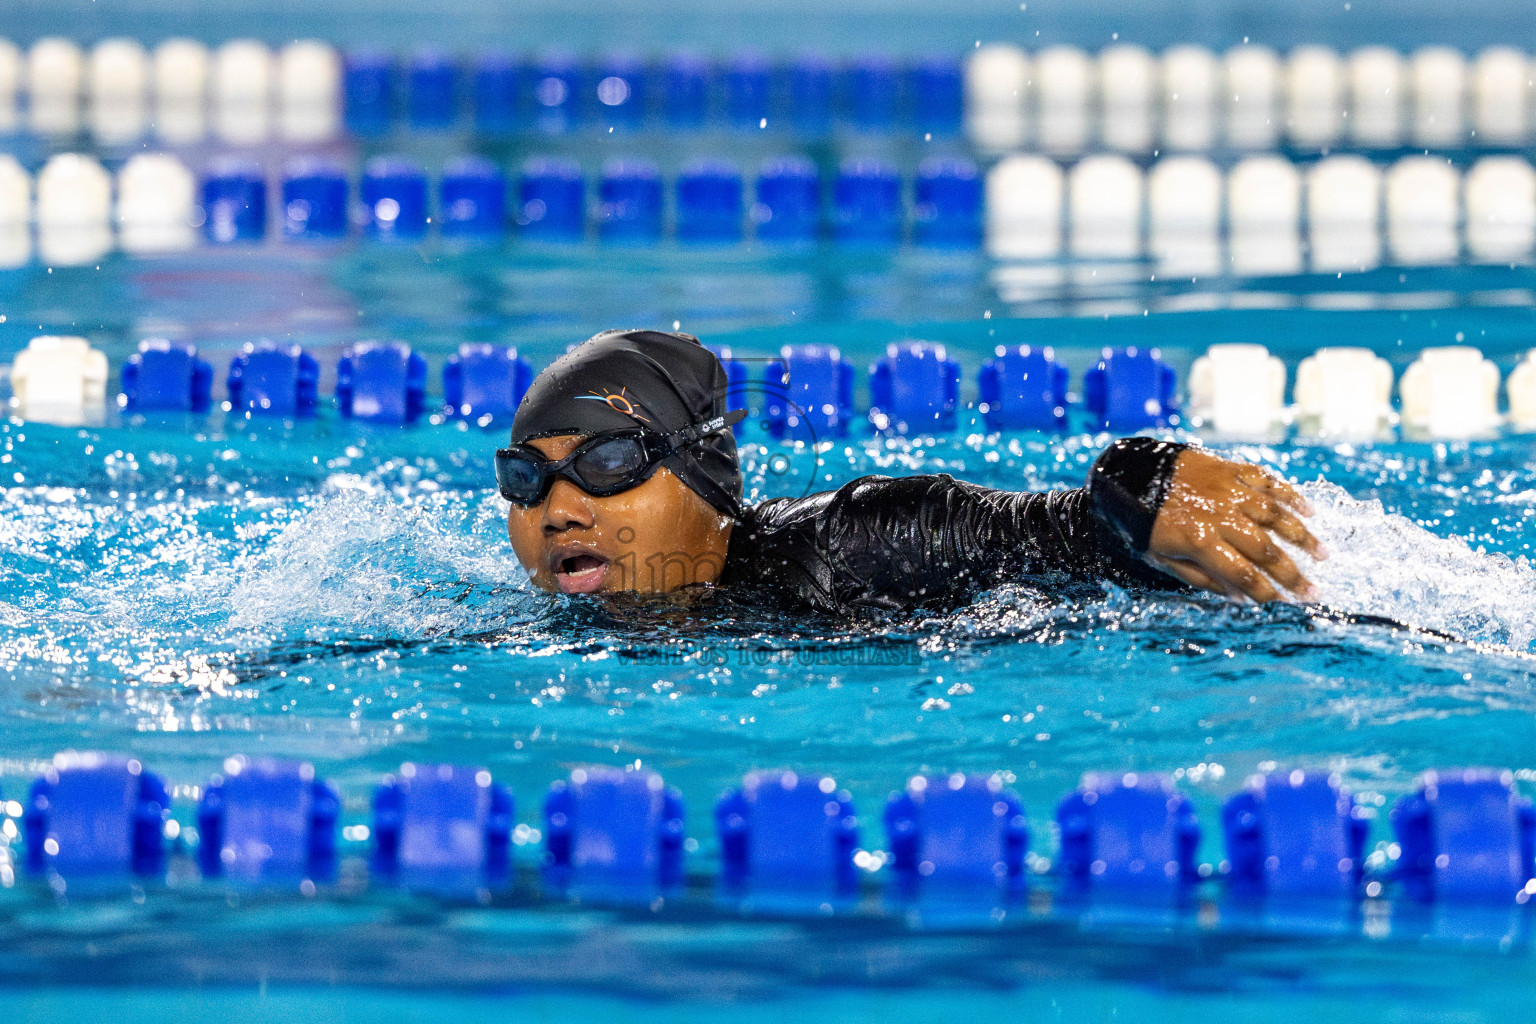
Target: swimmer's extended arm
[933,540]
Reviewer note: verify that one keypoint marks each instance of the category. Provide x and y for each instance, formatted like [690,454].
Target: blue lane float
[685,90]
[748,85]
[870,85]
[95,814]
[866,200]
[914,388]
[865,206]
[791,839]
[956,833]
[1131,389]
[368,91]
[314,199]
[1127,833]
[234,195]
[472,198]
[442,826]
[790,834]
[394,194]
[809,393]
[709,202]
[936,85]
[265,820]
[381,382]
[557,91]
[808,390]
[267,379]
[1465,835]
[485,382]
[609,830]
[166,377]
[1295,833]
[497,82]
[621,90]
[629,201]
[811,93]
[947,208]
[552,200]
[432,90]
[787,206]
[1023,388]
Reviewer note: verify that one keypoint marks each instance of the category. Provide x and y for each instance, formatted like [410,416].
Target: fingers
[1269,513]
[1259,479]
[1192,574]
[1221,567]
[1228,565]
[1255,544]
[1274,504]
[1228,562]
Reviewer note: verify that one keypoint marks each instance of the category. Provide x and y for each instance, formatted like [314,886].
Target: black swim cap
[655,380]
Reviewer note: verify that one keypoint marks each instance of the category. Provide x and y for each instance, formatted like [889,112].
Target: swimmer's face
[653,538]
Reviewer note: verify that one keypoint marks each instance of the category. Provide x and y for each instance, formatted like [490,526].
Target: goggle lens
[612,466]
[609,467]
[519,478]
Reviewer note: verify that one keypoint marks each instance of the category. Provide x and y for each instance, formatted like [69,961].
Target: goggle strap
[694,433]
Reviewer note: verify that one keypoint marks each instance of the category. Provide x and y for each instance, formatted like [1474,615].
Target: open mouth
[580,573]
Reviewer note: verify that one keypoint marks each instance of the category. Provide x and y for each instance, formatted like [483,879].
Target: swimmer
[623,477]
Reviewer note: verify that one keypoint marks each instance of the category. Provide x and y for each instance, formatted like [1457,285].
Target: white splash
[1384,564]
[376,564]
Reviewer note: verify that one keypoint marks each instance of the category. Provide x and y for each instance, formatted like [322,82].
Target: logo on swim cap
[620,402]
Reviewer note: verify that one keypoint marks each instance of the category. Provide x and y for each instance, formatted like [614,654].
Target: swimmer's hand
[1216,530]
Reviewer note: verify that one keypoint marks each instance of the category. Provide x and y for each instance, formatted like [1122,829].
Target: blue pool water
[185,589]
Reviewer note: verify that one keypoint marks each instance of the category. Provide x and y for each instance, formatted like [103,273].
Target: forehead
[557,447]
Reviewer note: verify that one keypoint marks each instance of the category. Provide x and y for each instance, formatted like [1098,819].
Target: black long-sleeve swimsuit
[901,543]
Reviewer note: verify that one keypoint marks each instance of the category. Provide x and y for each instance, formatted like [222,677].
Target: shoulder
[880,489]
[855,494]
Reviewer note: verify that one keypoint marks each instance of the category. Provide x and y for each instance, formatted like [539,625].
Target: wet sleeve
[1127,487]
[918,541]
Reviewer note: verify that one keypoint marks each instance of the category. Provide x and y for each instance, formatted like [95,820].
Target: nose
[567,508]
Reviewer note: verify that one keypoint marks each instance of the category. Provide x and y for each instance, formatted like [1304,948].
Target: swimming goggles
[603,465]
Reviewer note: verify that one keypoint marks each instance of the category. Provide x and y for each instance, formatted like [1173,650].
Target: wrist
[1128,485]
